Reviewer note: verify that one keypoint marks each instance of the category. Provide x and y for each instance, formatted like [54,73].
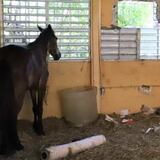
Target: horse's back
[17,59]
[15,53]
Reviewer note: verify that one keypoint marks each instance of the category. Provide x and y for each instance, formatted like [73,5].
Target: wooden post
[95,47]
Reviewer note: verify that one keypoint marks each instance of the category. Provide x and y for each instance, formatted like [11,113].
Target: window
[139,36]
[69,19]
[136,14]
[119,44]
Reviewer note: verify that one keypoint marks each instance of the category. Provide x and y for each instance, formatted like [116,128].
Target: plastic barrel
[79,105]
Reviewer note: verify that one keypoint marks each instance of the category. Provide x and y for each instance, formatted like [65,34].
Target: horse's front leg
[38,112]
[37,101]
[41,94]
[34,108]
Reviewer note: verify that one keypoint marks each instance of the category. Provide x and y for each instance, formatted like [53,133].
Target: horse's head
[52,43]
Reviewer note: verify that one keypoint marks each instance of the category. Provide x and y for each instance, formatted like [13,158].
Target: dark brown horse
[21,69]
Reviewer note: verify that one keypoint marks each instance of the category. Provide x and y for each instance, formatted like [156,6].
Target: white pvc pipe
[60,151]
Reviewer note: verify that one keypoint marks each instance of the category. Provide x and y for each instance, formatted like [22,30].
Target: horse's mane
[43,38]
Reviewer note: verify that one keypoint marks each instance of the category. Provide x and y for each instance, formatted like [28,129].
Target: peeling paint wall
[130,84]
[106,12]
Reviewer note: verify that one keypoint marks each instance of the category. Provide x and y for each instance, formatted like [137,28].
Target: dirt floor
[124,141]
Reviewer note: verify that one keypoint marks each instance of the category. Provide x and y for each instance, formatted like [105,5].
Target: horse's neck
[39,48]
[42,40]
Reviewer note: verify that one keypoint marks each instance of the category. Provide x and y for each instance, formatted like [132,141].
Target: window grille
[150,43]
[69,19]
[119,44]
[130,44]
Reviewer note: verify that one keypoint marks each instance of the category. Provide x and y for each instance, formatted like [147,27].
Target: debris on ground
[128,121]
[146,110]
[110,119]
[124,113]
[154,129]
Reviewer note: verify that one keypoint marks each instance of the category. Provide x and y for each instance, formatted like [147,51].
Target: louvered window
[119,44]
[69,19]
[150,43]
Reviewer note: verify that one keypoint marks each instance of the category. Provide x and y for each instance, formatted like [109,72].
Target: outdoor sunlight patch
[136,14]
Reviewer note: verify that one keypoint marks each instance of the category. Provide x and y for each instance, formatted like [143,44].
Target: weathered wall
[122,79]
[106,11]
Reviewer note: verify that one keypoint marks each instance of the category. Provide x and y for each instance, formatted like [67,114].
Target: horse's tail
[6,85]
[7,105]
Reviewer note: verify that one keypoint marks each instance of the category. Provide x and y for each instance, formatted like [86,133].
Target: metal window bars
[130,44]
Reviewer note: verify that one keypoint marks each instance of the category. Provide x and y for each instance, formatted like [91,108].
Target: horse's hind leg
[8,111]
[8,135]
[14,135]
[20,91]
[5,145]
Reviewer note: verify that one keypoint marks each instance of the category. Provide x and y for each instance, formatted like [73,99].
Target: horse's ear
[40,29]
[49,26]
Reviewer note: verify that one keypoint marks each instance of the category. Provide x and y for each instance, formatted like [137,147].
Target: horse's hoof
[7,151]
[7,154]
[19,147]
[39,131]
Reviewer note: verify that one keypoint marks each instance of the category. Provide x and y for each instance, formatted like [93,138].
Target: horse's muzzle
[57,56]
